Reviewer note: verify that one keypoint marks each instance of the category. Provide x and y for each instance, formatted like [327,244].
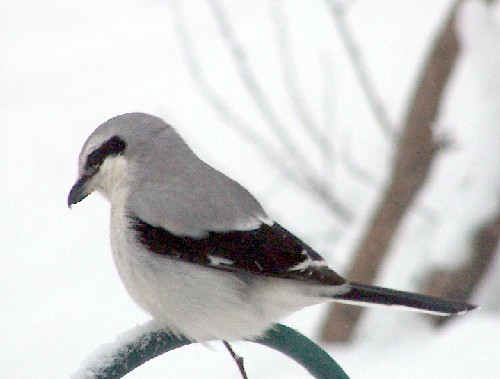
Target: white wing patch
[308,263]
[253,223]
[219,261]
[266,220]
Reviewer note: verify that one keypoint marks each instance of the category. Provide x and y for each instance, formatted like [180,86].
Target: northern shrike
[196,250]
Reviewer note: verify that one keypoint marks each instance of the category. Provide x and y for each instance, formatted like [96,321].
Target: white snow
[102,357]
[68,66]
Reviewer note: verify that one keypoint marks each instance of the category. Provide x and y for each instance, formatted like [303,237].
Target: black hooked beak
[80,191]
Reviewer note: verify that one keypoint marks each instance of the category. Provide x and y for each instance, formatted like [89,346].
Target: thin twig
[360,173]
[286,165]
[328,121]
[351,47]
[248,78]
[310,125]
[237,359]
[253,87]
[215,101]
[290,78]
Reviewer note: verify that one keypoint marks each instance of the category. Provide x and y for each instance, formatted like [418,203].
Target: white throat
[112,179]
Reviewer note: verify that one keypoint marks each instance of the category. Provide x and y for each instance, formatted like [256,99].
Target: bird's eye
[94,160]
[114,146]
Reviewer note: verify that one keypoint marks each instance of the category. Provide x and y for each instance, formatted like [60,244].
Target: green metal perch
[117,360]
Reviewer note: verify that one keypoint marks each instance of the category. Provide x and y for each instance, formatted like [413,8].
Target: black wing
[268,250]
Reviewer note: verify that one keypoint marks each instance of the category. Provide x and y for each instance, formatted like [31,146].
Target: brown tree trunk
[416,150]
[459,284]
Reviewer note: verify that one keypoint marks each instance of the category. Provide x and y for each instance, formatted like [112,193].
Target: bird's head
[111,153]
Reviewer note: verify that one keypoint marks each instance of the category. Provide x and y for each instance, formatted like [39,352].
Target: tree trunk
[416,150]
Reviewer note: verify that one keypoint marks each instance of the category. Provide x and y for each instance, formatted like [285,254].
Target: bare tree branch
[328,121]
[290,167]
[216,102]
[339,20]
[460,283]
[290,77]
[319,135]
[252,86]
[353,167]
[449,47]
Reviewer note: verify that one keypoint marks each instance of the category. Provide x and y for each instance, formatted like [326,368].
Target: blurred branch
[293,165]
[253,87]
[416,150]
[328,120]
[352,166]
[217,103]
[445,49]
[290,78]
[459,284]
[319,135]
[337,11]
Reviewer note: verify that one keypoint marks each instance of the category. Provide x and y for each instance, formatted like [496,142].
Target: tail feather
[362,294]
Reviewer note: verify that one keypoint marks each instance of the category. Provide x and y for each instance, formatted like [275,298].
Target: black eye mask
[114,146]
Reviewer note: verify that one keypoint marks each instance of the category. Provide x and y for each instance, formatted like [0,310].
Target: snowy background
[67,66]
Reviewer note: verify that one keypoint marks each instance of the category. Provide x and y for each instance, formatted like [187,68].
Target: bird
[197,251]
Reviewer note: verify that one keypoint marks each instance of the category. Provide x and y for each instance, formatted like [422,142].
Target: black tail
[360,294]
